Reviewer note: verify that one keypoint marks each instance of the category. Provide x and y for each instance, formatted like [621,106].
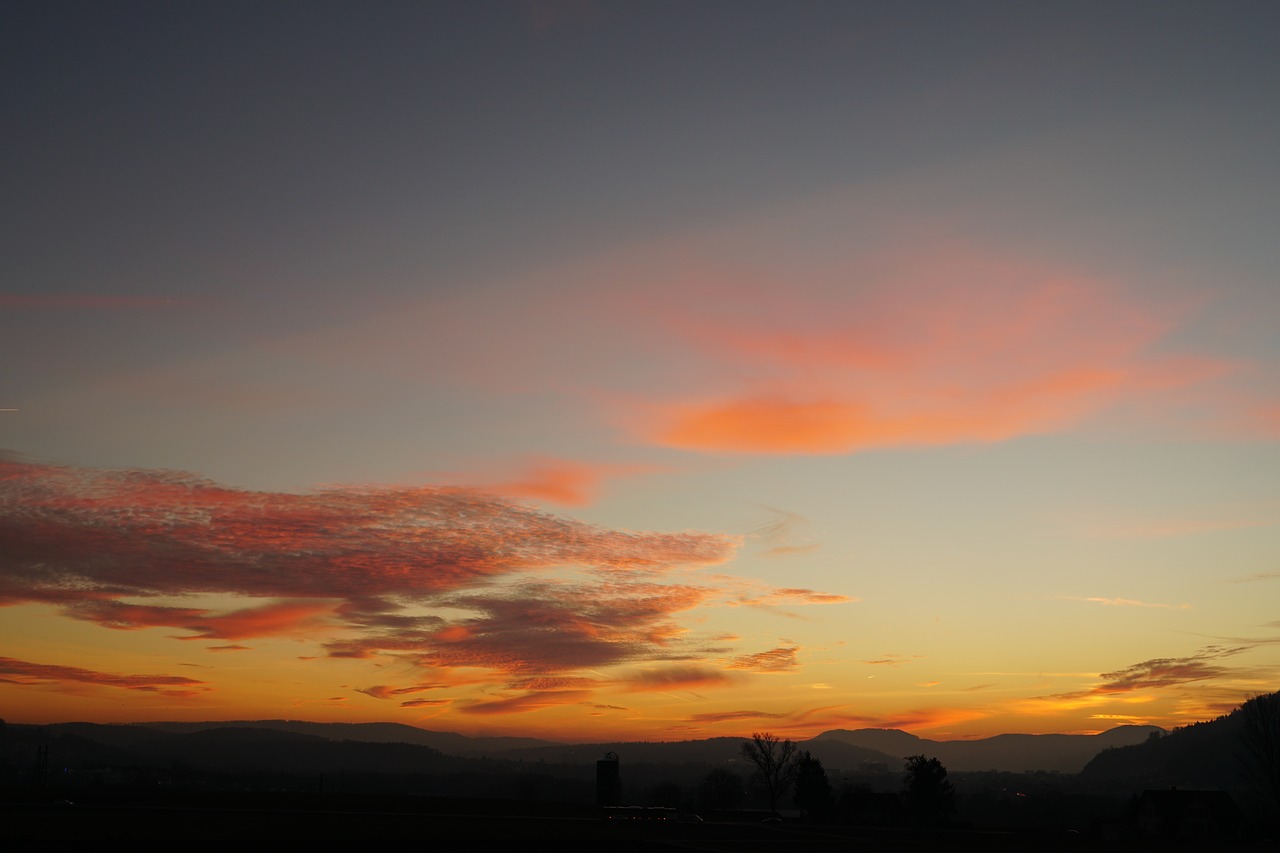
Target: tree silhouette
[813,789]
[775,763]
[930,797]
[1260,737]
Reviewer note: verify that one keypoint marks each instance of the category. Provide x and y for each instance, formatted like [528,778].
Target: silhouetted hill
[713,751]
[1203,755]
[450,743]
[1017,753]
[239,749]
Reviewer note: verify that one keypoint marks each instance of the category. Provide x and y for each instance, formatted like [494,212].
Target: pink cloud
[73,534]
[452,580]
[565,482]
[918,348]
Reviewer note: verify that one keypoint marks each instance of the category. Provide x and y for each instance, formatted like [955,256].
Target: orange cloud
[731,716]
[917,348]
[382,691]
[685,677]
[1128,602]
[25,672]
[773,597]
[532,701]
[781,659]
[564,482]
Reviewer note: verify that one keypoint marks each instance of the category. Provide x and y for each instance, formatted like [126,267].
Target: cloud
[728,716]
[1156,674]
[1165,672]
[1126,602]
[891,660]
[837,717]
[382,691]
[564,482]
[454,581]
[675,678]
[949,344]
[274,618]
[98,543]
[773,597]
[1260,576]
[535,700]
[780,659]
[27,673]
[73,533]
[538,628]
[779,534]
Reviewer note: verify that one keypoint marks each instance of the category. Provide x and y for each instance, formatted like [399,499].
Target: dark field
[471,824]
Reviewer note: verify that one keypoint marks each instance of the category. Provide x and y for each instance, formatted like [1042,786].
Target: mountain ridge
[878,750]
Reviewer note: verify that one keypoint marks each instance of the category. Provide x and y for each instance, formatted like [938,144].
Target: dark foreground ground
[461,824]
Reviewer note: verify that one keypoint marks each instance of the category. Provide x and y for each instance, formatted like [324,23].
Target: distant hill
[712,752]
[450,743]
[393,747]
[1017,753]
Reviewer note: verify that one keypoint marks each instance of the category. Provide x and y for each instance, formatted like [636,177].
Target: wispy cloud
[1166,672]
[775,597]
[686,677]
[554,480]
[890,660]
[1260,576]
[536,700]
[1156,674]
[28,673]
[1126,602]
[955,344]
[780,659]
[382,691]
[731,716]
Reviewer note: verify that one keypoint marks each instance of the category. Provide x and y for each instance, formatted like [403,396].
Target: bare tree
[775,762]
[1260,737]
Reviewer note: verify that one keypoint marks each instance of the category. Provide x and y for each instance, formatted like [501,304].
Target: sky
[653,371]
